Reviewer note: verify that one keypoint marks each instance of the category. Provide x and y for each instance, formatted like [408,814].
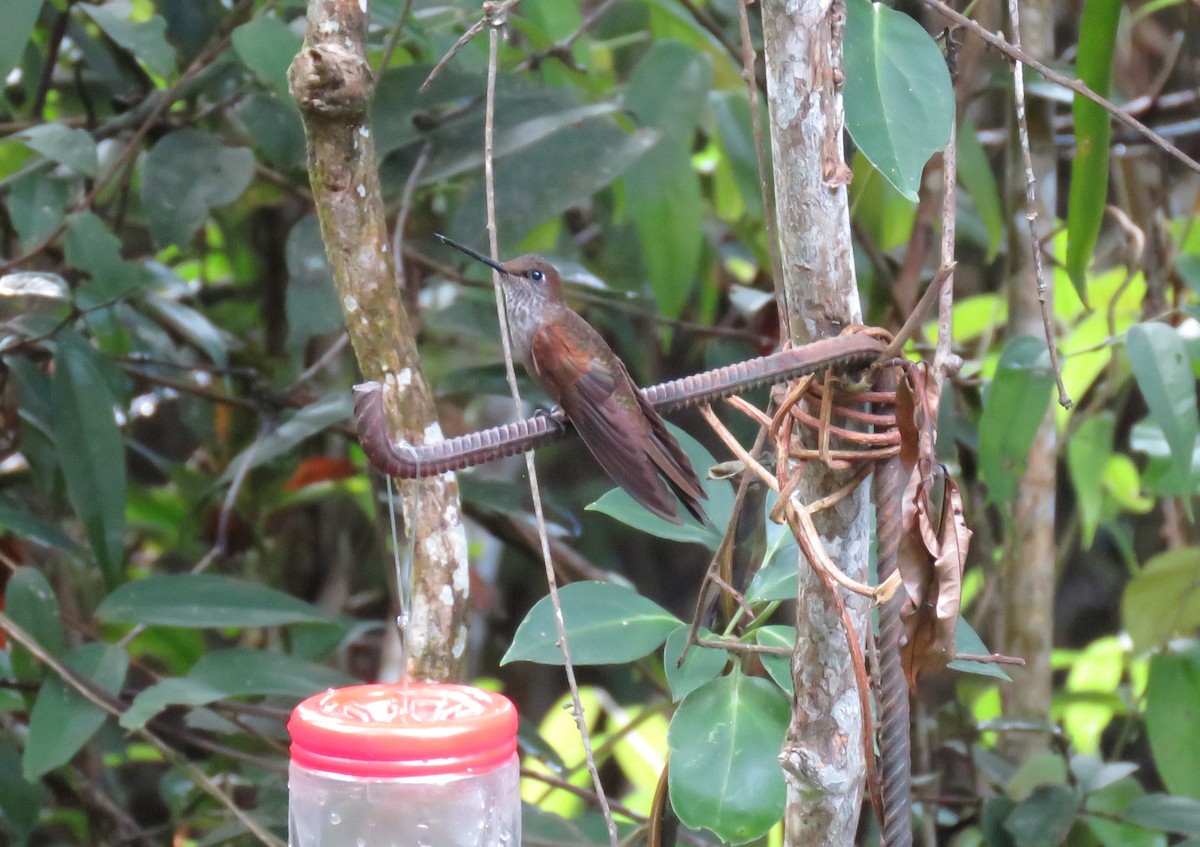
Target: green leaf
[267,46]
[31,603]
[312,301]
[63,720]
[967,640]
[1163,598]
[1165,813]
[702,664]
[779,667]
[20,16]
[92,248]
[1173,720]
[719,505]
[145,40]
[192,326]
[186,174]
[1108,805]
[545,179]
[724,744]
[978,180]
[71,147]
[21,800]
[1012,413]
[316,417]
[731,112]
[667,92]
[1093,131]
[91,450]
[36,204]
[1045,818]
[1164,376]
[204,600]
[32,528]
[899,100]
[1087,457]
[606,624]
[274,128]
[234,673]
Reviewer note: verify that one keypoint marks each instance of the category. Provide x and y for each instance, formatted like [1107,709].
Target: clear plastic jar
[418,765]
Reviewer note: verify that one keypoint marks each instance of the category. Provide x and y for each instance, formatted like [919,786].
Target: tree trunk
[333,84]
[823,753]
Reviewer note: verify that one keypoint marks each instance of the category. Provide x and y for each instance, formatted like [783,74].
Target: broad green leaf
[21,800]
[779,667]
[978,180]
[1092,773]
[204,601]
[274,128]
[719,505]
[876,205]
[899,100]
[234,673]
[312,301]
[19,19]
[777,578]
[316,417]
[192,326]
[1045,818]
[186,174]
[1162,475]
[1106,807]
[1087,457]
[37,203]
[1082,709]
[702,663]
[545,179]
[1164,376]
[71,147]
[967,640]
[63,720]
[145,40]
[667,92]
[91,247]
[1166,813]
[267,46]
[606,624]
[663,191]
[33,528]
[724,741]
[1012,412]
[1173,720]
[91,450]
[1163,598]
[1093,130]
[1034,773]
[33,606]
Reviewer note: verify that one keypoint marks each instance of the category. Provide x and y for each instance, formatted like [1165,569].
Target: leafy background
[190,534]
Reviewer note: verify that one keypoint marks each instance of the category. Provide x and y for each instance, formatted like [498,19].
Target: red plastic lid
[418,729]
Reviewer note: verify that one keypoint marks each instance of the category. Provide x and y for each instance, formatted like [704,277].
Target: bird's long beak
[462,248]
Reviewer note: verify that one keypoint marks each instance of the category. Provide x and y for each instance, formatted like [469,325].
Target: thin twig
[943,366]
[764,184]
[410,187]
[492,14]
[489,131]
[394,39]
[1031,214]
[1014,51]
[735,646]
[561,50]
[989,658]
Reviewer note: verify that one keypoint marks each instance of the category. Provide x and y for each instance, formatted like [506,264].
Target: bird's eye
[536,275]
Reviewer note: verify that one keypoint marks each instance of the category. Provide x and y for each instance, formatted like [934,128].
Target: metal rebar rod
[895,757]
[410,461]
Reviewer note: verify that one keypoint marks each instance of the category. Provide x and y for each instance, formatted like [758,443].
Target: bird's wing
[626,436]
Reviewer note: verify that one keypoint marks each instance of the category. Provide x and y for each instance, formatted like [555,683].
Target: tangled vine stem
[411,461]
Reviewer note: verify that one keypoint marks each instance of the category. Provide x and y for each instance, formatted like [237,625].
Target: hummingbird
[580,372]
